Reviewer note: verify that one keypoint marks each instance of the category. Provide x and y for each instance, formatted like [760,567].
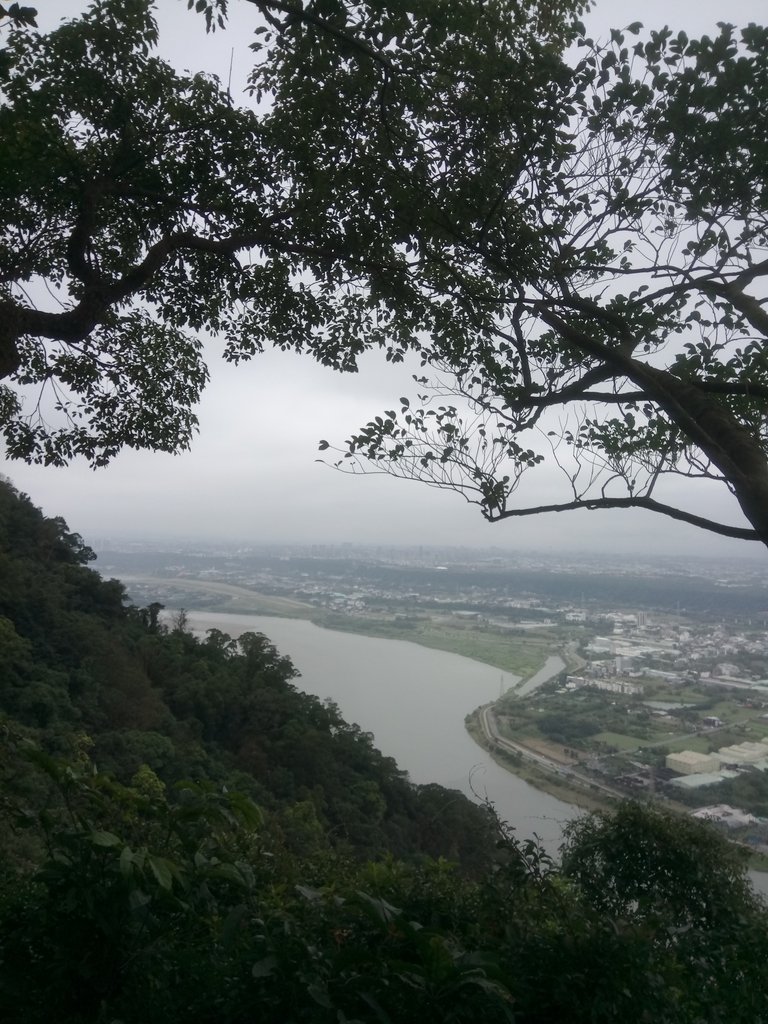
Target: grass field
[699,743]
[518,655]
[618,740]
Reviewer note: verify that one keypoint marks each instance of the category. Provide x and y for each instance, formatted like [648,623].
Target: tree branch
[635,502]
[747,305]
[75,324]
[296,12]
[78,262]
[708,424]
[573,393]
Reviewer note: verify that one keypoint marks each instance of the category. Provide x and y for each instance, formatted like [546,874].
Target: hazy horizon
[113,542]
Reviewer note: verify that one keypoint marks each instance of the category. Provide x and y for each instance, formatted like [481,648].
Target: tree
[611,284]
[684,888]
[650,863]
[572,241]
[141,208]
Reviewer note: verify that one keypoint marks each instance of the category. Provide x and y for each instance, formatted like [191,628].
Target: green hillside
[80,674]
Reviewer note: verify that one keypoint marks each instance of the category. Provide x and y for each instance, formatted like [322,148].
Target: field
[596,722]
[521,655]
[618,740]
[700,744]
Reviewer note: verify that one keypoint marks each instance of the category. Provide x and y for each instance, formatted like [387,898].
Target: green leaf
[104,839]
[384,911]
[232,925]
[162,870]
[265,967]
[138,899]
[309,893]
[126,861]
[230,872]
[320,994]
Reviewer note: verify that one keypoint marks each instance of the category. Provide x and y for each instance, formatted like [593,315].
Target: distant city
[349,577]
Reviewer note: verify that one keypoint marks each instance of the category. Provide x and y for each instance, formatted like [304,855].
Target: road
[551,767]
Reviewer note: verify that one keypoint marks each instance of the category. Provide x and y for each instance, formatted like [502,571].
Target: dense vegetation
[186,837]
[748,790]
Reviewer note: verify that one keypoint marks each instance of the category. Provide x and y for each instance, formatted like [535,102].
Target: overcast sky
[251,473]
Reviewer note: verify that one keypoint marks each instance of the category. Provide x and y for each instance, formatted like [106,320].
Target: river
[414,700]
[551,667]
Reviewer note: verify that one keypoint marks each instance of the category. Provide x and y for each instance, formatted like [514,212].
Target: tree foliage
[142,207]
[610,279]
[571,239]
[574,247]
[143,906]
[18,15]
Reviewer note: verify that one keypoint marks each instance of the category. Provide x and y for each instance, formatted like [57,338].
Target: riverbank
[413,700]
[520,656]
[563,784]
[586,799]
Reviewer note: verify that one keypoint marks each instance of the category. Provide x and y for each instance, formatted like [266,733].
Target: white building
[608,685]
[743,753]
[691,762]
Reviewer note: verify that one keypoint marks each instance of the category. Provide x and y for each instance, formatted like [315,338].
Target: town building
[691,762]
[743,753]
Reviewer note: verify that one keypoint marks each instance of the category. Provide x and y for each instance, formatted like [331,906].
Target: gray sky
[252,474]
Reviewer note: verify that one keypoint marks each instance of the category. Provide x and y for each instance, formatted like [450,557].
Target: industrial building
[691,762]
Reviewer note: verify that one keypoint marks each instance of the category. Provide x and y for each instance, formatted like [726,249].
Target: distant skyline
[252,473]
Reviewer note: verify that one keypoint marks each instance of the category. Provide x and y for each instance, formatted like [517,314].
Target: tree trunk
[726,442]
[9,353]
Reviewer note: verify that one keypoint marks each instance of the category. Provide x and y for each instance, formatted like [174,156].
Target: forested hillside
[186,837]
[80,674]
